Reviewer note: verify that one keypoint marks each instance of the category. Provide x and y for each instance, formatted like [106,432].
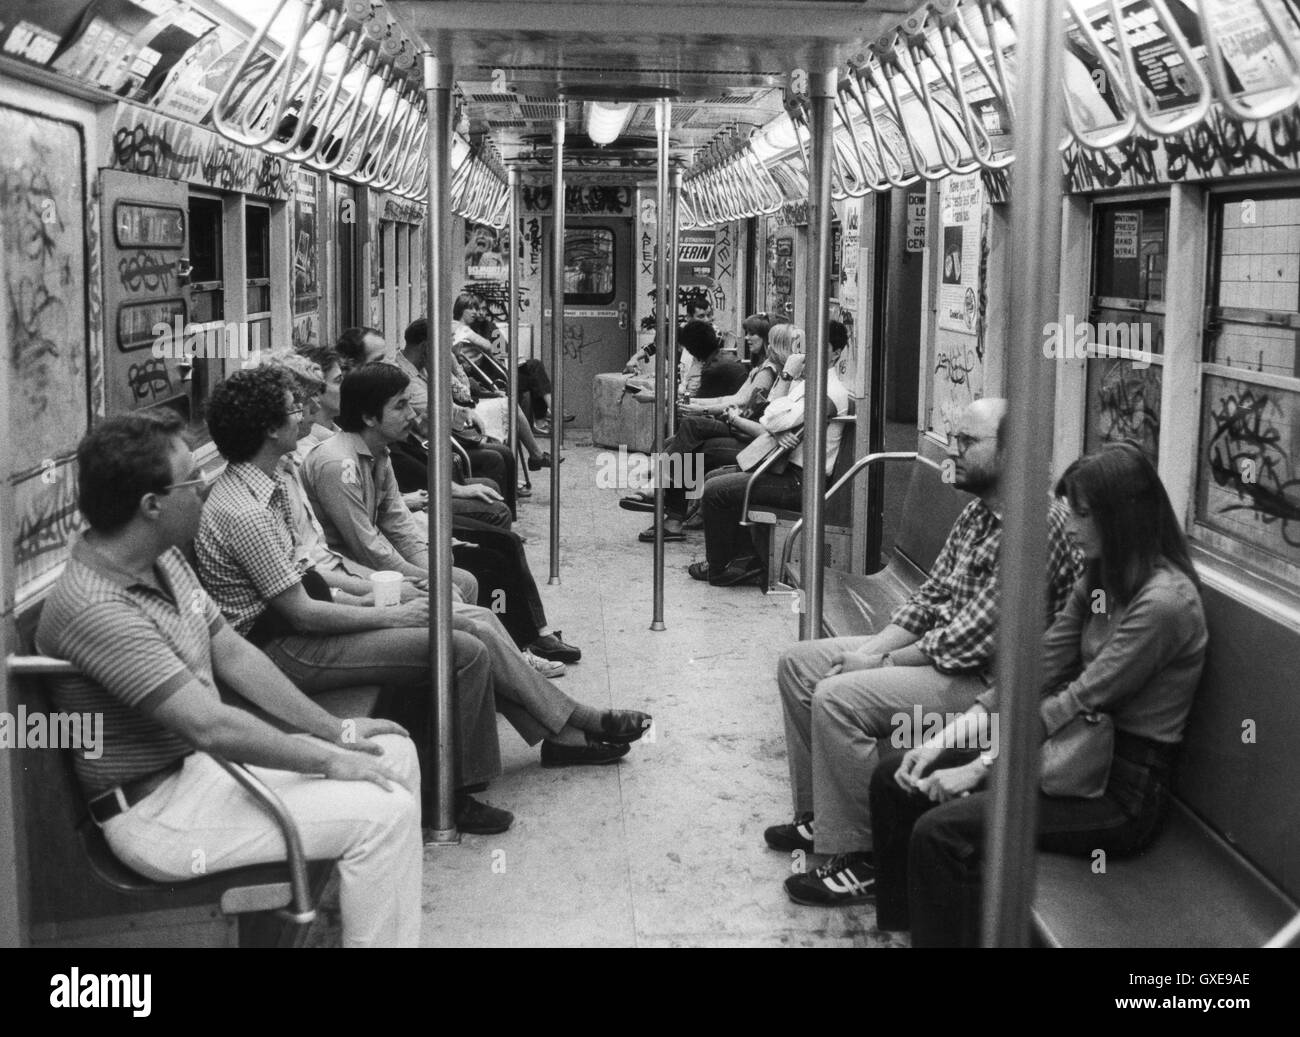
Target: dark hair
[120,460]
[416,332]
[698,301]
[776,320]
[756,324]
[364,392]
[838,335]
[245,407]
[698,339]
[323,357]
[351,346]
[463,302]
[1121,489]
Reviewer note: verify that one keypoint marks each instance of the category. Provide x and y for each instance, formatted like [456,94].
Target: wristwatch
[885,660]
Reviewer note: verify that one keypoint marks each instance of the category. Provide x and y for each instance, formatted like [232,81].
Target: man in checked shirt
[840,695]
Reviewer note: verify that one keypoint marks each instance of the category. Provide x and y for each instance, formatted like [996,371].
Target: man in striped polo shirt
[150,645]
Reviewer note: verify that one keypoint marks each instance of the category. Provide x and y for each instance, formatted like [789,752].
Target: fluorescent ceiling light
[606,121]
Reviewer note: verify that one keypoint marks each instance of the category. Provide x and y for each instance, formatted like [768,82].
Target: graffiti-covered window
[1248,478]
[1123,334]
[588,266]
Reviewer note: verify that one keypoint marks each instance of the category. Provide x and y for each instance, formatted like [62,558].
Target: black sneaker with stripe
[847,878]
[795,836]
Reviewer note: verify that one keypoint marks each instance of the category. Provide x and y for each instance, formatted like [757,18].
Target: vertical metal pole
[557,345]
[438,101]
[670,419]
[665,340]
[512,306]
[823,86]
[1031,303]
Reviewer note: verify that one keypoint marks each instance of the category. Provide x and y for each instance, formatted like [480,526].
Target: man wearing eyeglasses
[840,695]
[150,647]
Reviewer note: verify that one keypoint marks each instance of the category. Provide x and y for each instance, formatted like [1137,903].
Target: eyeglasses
[963,442]
[297,411]
[198,480]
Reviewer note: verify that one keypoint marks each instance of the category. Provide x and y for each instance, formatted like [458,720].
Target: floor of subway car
[666,847]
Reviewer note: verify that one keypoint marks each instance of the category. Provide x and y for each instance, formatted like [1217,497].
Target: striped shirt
[955,611]
[245,543]
[136,642]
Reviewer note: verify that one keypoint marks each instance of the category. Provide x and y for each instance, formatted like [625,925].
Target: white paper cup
[387,586]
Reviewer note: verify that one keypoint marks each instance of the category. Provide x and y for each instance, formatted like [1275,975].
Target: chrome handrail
[859,465]
[1236,106]
[1098,140]
[1146,117]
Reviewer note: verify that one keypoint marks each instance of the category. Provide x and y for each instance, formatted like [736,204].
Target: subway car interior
[1044,260]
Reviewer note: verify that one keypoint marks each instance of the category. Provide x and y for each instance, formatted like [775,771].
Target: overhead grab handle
[892,68]
[1081,124]
[950,23]
[304,107]
[1283,45]
[863,83]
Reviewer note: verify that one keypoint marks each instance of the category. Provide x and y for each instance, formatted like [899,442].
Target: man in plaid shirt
[840,695]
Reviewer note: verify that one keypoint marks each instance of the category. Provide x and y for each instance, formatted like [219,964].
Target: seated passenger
[732,556]
[1140,661]
[494,558]
[702,432]
[698,308]
[354,494]
[317,625]
[840,695]
[487,348]
[720,375]
[150,646]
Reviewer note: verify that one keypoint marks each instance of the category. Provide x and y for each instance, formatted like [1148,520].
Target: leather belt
[120,798]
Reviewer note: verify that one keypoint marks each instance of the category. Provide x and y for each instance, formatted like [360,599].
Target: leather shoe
[474,817]
[638,502]
[553,648]
[623,726]
[593,754]
[538,463]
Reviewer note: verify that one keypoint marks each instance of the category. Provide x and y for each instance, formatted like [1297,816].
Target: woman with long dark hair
[1130,643]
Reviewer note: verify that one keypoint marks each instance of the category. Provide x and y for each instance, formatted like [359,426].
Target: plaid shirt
[245,544]
[955,611]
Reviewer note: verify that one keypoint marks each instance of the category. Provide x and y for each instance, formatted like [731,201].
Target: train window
[257,271]
[588,266]
[207,294]
[1127,325]
[1248,478]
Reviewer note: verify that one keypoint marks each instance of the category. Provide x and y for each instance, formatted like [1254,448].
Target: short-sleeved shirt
[245,543]
[136,643]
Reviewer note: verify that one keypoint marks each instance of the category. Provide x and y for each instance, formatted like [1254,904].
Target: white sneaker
[544,666]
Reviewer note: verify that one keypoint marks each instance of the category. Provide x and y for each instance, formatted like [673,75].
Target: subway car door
[598,332]
[146,257]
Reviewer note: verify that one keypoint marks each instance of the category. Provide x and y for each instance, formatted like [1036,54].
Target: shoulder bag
[1077,758]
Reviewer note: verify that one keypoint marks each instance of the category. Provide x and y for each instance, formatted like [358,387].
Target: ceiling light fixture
[606,121]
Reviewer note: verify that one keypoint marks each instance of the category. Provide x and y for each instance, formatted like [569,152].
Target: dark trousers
[490,460]
[505,582]
[534,384]
[700,435]
[724,495]
[928,856]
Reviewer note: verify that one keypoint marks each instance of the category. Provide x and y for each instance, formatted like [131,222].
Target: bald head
[986,417]
[975,446]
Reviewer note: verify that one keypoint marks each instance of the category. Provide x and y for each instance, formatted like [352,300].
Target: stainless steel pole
[438,102]
[1031,304]
[557,345]
[512,306]
[670,418]
[821,145]
[663,347]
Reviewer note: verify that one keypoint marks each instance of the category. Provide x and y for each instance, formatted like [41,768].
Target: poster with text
[961,203]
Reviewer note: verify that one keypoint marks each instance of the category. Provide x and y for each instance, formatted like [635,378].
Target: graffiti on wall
[45,508]
[580,199]
[153,145]
[42,205]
